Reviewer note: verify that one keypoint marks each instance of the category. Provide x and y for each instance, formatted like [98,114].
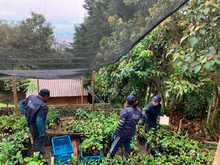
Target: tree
[36,35]
[30,44]
[30,35]
[89,35]
[185,63]
[127,76]
[149,78]
[126,32]
[197,56]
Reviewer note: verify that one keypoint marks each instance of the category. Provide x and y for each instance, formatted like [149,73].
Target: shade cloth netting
[102,35]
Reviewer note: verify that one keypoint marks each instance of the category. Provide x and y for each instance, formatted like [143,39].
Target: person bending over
[35,110]
[153,110]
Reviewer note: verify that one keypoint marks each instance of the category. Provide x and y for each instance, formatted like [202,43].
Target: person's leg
[115,145]
[147,127]
[127,147]
[34,133]
[147,144]
[38,142]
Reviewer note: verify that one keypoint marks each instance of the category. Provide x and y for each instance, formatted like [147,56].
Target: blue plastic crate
[62,149]
[88,158]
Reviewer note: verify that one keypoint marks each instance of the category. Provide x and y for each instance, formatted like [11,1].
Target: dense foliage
[166,145]
[13,136]
[178,60]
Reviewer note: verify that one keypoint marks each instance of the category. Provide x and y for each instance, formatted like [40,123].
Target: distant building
[63,91]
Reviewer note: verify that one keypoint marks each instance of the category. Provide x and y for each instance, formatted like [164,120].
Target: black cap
[156,98]
[131,99]
[44,92]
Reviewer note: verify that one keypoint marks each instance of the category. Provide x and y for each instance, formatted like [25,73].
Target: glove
[113,136]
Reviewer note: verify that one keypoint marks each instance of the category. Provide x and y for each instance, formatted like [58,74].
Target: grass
[5,105]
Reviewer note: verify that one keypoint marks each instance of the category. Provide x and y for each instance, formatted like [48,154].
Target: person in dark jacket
[153,110]
[35,109]
[126,127]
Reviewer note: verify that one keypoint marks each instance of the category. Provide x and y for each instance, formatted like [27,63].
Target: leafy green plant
[11,148]
[52,118]
[170,147]
[30,85]
[134,148]
[37,159]
[81,114]
[98,125]
[91,146]
[12,123]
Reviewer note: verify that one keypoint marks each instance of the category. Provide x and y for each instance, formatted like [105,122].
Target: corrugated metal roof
[61,87]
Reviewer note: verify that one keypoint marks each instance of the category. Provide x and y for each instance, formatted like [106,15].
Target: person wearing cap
[126,127]
[153,110]
[35,109]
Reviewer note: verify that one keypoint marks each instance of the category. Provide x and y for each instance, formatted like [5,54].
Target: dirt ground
[47,152]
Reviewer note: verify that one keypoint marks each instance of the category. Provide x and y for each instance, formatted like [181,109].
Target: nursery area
[117,48]
[91,131]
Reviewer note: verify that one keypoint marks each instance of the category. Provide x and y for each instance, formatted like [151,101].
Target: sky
[62,14]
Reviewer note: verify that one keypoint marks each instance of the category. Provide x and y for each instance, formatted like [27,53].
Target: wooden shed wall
[67,100]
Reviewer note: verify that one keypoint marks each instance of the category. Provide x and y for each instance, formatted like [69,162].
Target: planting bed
[90,134]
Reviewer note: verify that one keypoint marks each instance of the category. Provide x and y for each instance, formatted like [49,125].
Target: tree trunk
[210,109]
[215,112]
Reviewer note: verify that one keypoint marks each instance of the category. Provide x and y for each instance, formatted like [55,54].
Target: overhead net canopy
[70,38]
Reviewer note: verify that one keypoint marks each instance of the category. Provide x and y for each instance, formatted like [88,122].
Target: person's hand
[113,136]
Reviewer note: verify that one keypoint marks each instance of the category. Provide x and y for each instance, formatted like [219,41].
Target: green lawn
[5,105]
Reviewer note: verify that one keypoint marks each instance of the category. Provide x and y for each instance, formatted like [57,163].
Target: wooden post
[180,126]
[52,160]
[93,90]
[217,155]
[38,86]
[82,91]
[15,94]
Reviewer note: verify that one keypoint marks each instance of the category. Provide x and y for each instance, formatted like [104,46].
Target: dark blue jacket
[152,112]
[34,107]
[130,116]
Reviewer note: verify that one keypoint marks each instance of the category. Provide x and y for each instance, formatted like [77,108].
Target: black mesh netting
[29,47]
